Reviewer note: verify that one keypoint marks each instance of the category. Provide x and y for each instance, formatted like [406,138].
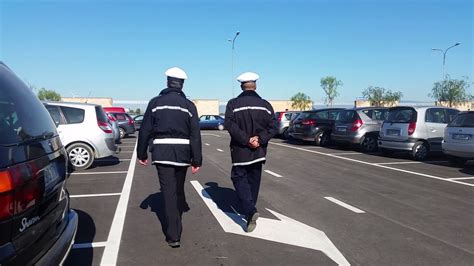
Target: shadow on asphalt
[157,205]
[85,234]
[226,200]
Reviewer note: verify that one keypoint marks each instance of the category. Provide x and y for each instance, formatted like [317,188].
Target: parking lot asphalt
[319,206]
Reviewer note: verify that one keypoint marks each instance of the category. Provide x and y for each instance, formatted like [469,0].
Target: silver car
[458,142]
[359,126]
[284,119]
[84,130]
[418,130]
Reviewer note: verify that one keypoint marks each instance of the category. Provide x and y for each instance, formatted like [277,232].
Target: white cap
[176,72]
[248,76]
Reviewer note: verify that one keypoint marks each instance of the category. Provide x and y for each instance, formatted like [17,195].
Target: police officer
[170,125]
[251,123]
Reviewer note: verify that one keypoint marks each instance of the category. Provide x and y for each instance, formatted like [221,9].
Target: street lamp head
[457,44]
[229,40]
[237,33]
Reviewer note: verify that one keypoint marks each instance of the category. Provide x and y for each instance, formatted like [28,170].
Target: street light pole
[444,56]
[232,62]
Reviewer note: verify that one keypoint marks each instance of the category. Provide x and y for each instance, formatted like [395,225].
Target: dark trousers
[172,186]
[246,181]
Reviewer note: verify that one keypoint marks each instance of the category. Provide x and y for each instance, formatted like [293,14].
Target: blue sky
[121,49]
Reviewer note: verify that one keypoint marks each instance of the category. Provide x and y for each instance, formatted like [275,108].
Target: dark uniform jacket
[171,126]
[246,116]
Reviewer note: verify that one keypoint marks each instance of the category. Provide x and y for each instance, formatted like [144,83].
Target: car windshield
[401,115]
[22,116]
[347,116]
[463,120]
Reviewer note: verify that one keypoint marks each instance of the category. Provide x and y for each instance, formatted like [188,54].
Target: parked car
[138,121]
[211,122]
[359,126]
[418,130]
[36,225]
[125,123]
[458,142]
[284,119]
[315,126]
[115,129]
[84,130]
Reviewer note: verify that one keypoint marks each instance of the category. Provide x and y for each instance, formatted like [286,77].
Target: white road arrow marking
[285,230]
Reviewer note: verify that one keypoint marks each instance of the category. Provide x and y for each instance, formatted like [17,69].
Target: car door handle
[433,129]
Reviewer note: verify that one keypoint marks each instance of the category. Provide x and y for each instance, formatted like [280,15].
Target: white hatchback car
[458,142]
[84,130]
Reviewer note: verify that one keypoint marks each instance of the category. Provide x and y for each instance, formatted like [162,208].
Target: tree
[329,85]
[451,91]
[138,111]
[48,95]
[379,96]
[301,101]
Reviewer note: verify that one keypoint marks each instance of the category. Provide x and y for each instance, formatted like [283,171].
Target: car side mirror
[56,123]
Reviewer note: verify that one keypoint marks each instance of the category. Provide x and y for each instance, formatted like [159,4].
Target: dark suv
[315,126]
[125,123]
[36,224]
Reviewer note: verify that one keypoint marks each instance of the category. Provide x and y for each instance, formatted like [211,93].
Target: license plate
[393,132]
[297,125]
[341,129]
[51,176]
[462,136]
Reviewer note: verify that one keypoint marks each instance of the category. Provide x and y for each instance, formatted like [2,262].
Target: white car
[84,130]
[458,142]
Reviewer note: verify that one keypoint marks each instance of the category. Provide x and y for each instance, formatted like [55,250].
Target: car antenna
[87,98]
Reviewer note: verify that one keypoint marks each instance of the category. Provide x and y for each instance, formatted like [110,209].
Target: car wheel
[122,133]
[80,155]
[456,161]
[386,152]
[220,127]
[420,151]
[321,139]
[368,143]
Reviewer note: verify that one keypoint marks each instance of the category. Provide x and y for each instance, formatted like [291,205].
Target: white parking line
[345,205]
[374,164]
[89,245]
[272,173]
[462,178]
[99,173]
[126,151]
[111,250]
[413,162]
[95,195]
[220,150]
[207,144]
[347,153]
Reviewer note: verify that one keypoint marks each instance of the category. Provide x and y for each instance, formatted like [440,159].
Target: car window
[120,117]
[287,116]
[73,115]
[212,118]
[452,113]
[376,114]
[333,114]
[139,118]
[101,116]
[436,115]
[55,114]
[401,115]
[463,120]
[347,116]
[277,114]
[319,115]
[22,115]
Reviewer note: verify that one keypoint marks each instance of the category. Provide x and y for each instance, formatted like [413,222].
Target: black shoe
[252,222]
[174,244]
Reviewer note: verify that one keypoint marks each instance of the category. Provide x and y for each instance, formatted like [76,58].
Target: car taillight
[20,188]
[280,116]
[356,125]
[105,127]
[411,128]
[130,121]
[309,122]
